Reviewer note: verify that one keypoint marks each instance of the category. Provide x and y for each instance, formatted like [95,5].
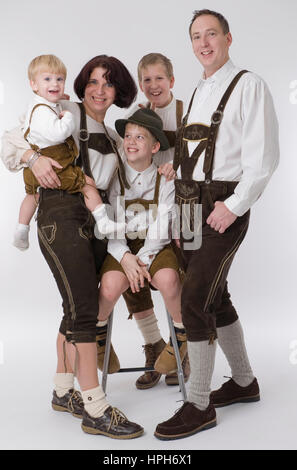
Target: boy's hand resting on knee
[135,271]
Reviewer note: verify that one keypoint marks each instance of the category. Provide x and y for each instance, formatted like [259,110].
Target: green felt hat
[148,119]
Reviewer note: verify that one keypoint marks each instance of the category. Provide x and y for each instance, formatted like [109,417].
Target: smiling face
[139,146]
[156,84]
[49,86]
[210,44]
[99,94]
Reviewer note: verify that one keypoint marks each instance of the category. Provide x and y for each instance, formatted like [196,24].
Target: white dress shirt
[46,128]
[247,146]
[103,167]
[142,186]
[168,116]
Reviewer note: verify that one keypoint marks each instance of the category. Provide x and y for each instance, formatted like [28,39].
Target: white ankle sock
[149,329]
[63,383]
[101,323]
[180,326]
[21,236]
[202,360]
[231,340]
[95,402]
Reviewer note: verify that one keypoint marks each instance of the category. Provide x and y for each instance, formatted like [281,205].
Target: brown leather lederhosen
[206,303]
[143,300]
[71,177]
[135,241]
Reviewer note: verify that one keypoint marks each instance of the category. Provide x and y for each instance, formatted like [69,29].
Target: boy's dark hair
[222,20]
[116,73]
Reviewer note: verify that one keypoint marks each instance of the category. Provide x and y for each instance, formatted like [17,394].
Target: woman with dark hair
[67,241]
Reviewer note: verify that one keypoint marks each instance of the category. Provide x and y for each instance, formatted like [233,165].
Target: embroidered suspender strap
[36,106]
[179,113]
[216,120]
[122,173]
[83,159]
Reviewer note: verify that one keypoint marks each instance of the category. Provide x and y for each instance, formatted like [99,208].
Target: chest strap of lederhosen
[145,203]
[171,135]
[35,107]
[106,145]
[209,143]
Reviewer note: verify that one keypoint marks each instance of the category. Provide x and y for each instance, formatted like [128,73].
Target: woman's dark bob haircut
[116,73]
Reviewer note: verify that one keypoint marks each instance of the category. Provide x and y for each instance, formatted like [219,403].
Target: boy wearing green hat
[145,254]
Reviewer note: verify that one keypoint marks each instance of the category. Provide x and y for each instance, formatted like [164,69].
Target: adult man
[226,172]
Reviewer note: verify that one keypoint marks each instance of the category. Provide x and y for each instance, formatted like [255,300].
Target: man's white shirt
[247,146]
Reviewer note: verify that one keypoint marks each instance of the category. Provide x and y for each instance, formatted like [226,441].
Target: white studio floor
[28,366]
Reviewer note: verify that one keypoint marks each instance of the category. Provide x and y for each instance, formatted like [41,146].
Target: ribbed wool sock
[63,383]
[231,340]
[95,402]
[202,360]
[149,329]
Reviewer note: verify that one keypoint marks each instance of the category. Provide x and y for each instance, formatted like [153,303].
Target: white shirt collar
[39,100]
[220,75]
[133,174]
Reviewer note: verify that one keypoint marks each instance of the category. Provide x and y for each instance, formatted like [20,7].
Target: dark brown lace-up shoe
[112,424]
[230,393]
[188,420]
[72,402]
[172,379]
[150,379]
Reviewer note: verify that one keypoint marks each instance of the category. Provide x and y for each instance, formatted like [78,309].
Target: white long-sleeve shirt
[46,128]
[142,186]
[103,167]
[247,146]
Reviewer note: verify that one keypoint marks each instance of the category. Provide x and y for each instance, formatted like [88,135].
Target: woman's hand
[134,272]
[44,172]
[167,170]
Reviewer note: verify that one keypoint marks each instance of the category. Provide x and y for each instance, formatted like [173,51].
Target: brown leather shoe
[172,379]
[150,379]
[113,424]
[188,420]
[114,363]
[166,362]
[230,393]
[72,402]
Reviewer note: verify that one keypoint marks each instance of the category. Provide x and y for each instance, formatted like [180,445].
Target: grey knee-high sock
[231,340]
[202,360]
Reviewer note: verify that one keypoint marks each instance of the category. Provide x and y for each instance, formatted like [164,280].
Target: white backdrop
[263,276]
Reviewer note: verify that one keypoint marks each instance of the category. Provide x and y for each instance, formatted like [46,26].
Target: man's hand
[221,218]
[134,271]
[167,170]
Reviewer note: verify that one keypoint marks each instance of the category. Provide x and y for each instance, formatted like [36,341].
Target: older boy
[156,80]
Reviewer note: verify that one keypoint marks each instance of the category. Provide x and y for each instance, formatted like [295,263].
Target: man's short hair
[152,59]
[222,20]
[46,63]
